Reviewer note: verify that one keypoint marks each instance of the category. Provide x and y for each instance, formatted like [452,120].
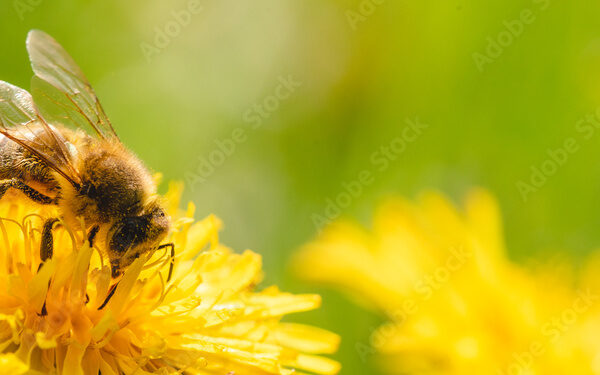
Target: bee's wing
[21,123]
[60,90]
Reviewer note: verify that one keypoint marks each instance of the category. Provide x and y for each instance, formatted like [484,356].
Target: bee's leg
[115,268]
[172,262]
[92,234]
[31,193]
[109,296]
[44,311]
[47,243]
[115,272]
[46,249]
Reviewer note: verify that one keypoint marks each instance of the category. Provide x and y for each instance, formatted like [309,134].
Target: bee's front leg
[92,234]
[46,249]
[111,292]
[47,243]
[116,271]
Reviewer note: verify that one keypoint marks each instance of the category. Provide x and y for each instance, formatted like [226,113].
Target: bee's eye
[125,236]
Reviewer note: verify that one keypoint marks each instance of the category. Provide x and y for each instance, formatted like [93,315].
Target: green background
[361,78]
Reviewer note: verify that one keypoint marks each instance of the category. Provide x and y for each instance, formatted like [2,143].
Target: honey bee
[46,155]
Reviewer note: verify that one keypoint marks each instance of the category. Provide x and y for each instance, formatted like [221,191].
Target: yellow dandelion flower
[208,319]
[455,304]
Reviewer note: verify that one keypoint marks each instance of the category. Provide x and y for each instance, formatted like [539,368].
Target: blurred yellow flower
[207,320]
[454,303]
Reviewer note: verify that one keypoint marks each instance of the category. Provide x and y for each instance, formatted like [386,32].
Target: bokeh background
[497,92]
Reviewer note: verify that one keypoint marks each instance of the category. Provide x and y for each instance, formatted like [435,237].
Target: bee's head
[132,236]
